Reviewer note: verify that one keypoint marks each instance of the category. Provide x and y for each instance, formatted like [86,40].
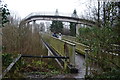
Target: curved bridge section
[57,17]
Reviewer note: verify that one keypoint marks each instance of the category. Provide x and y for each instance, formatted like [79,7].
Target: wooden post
[73,55]
[69,50]
[86,61]
[66,54]
[0,53]
[65,64]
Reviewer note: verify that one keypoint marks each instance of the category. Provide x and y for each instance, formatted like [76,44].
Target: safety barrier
[80,48]
[10,66]
[62,47]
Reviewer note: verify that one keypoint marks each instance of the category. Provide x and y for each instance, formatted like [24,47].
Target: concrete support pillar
[33,25]
[28,24]
[77,28]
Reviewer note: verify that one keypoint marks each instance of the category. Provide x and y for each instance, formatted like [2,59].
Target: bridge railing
[79,46]
[69,38]
[51,13]
[63,48]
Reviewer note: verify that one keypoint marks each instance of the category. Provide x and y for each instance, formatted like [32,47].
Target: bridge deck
[63,48]
[58,18]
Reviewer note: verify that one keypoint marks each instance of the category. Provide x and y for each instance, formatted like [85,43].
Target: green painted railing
[63,48]
[69,38]
[79,46]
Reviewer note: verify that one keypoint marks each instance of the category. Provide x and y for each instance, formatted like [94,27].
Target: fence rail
[63,48]
[10,66]
[80,48]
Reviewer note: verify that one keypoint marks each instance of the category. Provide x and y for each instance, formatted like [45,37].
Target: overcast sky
[25,7]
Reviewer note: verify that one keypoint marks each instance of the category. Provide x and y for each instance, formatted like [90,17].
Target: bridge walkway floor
[80,65]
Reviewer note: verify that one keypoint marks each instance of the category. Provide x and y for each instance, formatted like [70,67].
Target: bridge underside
[78,21]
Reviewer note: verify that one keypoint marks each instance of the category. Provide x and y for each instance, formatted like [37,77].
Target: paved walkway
[80,64]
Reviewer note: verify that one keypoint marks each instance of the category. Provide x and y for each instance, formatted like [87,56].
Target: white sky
[25,7]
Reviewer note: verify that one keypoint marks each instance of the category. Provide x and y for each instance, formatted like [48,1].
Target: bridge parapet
[63,48]
[79,46]
[48,13]
[52,17]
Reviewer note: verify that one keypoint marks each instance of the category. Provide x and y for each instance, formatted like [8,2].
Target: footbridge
[50,17]
[57,47]
[65,49]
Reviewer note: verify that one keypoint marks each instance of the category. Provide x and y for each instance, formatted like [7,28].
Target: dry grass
[21,40]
